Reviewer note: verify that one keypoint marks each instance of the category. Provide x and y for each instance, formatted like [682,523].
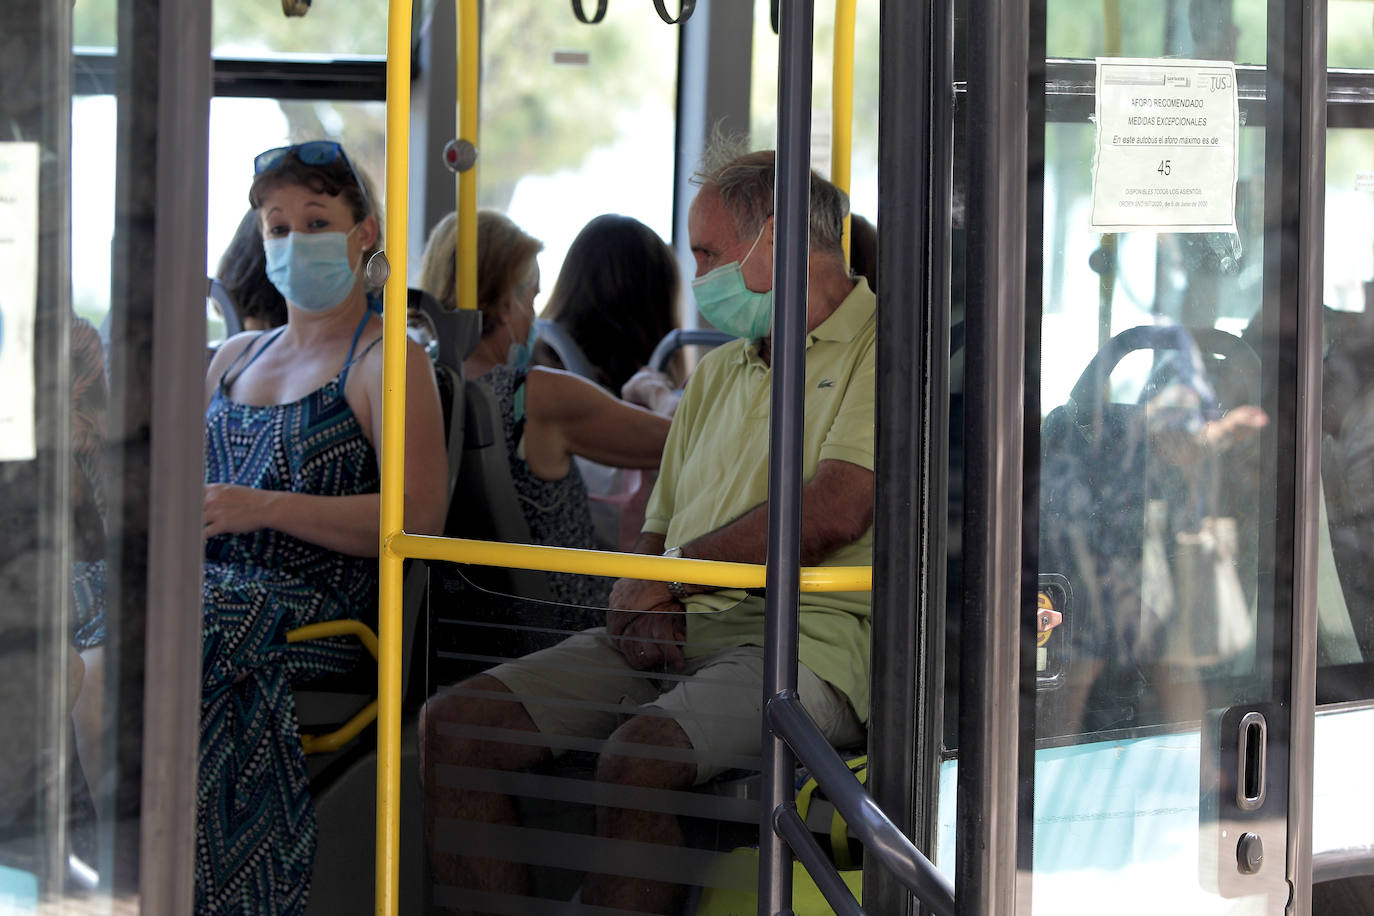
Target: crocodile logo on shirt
[826,383]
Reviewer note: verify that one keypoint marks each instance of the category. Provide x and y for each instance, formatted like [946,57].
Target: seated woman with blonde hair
[548,415]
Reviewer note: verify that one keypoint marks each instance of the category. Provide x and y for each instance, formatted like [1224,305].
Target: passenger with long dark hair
[243,271]
[616,297]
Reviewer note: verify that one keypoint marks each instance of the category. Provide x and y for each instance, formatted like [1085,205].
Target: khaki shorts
[583,689]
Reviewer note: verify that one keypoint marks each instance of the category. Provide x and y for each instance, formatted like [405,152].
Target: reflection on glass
[1153,495]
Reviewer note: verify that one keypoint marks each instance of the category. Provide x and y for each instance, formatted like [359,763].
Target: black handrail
[791,250]
[880,838]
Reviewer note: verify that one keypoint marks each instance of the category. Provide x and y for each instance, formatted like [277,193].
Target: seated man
[679,667]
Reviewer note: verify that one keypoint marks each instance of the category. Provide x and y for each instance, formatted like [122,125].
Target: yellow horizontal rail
[630,565]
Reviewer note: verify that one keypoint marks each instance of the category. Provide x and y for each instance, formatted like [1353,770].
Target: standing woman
[291,514]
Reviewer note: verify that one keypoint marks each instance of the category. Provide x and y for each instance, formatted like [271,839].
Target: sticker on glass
[1165,159]
[18,296]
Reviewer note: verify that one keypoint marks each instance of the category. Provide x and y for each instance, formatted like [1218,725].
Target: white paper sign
[1166,146]
[18,296]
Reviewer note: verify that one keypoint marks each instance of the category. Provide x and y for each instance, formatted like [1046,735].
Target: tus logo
[1219,82]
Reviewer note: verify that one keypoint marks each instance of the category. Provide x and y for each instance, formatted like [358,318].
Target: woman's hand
[233,509]
[652,389]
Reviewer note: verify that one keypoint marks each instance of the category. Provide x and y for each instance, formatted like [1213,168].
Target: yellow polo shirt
[715,469]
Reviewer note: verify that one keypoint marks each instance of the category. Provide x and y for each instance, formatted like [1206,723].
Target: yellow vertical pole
[842,103]
[469,79]
[393,458]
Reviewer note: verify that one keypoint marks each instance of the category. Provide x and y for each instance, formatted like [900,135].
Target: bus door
[1128,701]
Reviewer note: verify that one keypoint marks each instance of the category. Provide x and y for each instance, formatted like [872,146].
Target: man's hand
[637,595]
[653,639]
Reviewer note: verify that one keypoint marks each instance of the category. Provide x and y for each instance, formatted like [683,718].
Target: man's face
[715,242]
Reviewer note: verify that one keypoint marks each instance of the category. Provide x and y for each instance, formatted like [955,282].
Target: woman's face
[520,311]
[294,208]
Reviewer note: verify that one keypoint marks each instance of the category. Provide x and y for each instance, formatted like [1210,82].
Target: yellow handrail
[469,69]
[631,565]
[842,104]
[332,741]
[392,460]
[324,744]
[327,628]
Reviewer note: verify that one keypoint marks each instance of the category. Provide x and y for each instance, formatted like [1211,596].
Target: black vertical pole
[1311,225]
[990,624]
[792,197]
[915,101]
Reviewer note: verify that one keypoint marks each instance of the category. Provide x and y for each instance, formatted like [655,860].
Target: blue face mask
[311,269]
[728,304]
[518,354]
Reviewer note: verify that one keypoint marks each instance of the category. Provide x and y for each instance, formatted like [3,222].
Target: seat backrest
[230,312]
[678,338]
[485,505]
[562,343]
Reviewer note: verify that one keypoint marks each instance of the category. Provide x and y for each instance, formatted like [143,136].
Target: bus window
[243,28]
[577,121]
[863,189]
[240,128]
[1345,642]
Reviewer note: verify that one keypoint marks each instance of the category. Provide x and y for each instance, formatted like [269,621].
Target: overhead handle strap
[685,11]
[581,13]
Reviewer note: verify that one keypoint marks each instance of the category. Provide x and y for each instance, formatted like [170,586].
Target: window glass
[577,120]
[247,28]
[93,201]
[93,24]
[1198,29]
[763,122]
[1349,34]
[242,128]
[1345,620]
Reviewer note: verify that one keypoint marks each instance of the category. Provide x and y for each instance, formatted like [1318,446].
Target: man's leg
[620,764]
[708,723]
[447,739]
[576,688]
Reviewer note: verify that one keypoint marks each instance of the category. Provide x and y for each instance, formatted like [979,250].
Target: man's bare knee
[623,764]
[451,722]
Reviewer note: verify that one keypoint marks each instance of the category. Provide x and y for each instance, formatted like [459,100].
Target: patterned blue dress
[255,826]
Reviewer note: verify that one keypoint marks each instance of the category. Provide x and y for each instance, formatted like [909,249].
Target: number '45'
[1164,167]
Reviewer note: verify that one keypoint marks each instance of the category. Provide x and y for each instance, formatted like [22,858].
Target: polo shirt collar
[853,315]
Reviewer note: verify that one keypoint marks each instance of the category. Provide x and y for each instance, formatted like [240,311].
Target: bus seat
[567,350]
[227,309]
[324,705]
[343,783]
[678,338]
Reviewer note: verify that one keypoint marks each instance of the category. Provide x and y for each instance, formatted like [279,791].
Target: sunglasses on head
[315,152]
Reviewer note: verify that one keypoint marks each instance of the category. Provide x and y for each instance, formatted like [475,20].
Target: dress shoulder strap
[225,383]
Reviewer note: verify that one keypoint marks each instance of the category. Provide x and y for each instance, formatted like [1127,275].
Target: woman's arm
[344,524]
[426,474]
[568,415]
[350,524]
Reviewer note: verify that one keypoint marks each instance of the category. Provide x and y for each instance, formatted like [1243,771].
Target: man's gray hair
[745,185]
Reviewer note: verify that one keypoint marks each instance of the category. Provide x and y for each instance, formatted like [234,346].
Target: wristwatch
[676,589]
